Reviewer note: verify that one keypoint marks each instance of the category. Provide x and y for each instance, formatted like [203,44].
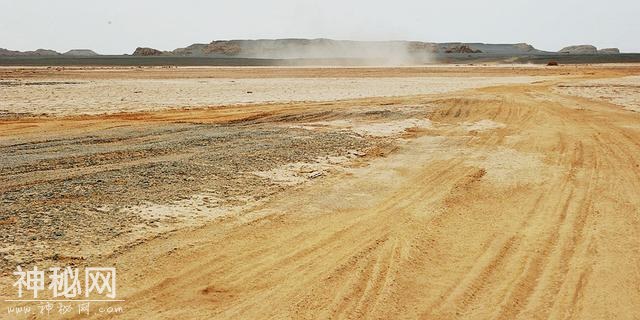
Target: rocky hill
[588,49]
[580,49]
[80,53]
[327,48]
[334,49]
[140,51]
[39,52]
[609,51]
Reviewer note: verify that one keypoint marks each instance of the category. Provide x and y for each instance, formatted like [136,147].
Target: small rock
[357,153]
[314,175]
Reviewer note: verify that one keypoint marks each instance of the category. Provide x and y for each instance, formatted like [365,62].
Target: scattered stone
[57,234]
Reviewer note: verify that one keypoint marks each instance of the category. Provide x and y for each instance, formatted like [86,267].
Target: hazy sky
[119,26]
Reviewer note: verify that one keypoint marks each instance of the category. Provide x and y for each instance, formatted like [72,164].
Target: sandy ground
[624,92]
[506,200]
[75,96]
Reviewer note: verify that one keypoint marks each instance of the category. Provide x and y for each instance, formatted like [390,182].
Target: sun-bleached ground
[98,96]
[624,92]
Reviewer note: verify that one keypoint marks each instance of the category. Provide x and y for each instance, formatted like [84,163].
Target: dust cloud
[370,52]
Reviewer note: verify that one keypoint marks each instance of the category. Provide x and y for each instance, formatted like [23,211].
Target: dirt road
[519,202]
[438,230]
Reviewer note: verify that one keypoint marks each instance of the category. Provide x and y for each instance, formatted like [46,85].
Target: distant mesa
[411,51]
[588,49]
[146,52]
[524,47]
[80,53]
[39,52]
[580,49]
[7,52]
[328,48]
[46,52]
[609,51]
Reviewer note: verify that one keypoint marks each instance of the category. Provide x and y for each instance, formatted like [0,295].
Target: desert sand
[74,96]
[467,192]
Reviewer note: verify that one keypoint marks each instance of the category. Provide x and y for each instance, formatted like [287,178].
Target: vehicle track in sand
[535,216]
[436,230]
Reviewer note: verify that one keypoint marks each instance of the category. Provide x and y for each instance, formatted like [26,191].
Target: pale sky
[119,26]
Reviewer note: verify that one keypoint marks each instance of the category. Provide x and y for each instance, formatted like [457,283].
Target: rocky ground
[68,196]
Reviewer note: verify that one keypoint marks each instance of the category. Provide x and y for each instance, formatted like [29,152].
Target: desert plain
[436,192]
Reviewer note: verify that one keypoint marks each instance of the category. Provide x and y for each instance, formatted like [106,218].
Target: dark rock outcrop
[229,48]
[463,48]
[146,52]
